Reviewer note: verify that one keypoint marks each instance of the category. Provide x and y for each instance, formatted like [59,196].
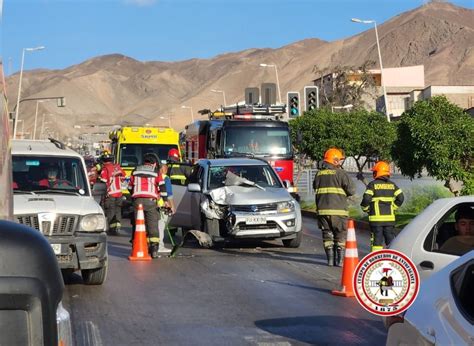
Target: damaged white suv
[240,199]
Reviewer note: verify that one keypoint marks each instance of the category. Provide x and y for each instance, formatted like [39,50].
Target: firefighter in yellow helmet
[332,185]
[381,198]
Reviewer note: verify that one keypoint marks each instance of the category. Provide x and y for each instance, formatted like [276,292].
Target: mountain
[115,89]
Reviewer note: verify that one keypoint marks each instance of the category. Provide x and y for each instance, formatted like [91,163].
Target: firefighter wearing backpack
[332,185]
[113,176]
[381,198]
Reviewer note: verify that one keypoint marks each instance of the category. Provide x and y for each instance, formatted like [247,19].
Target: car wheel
[295,242]
[94,276]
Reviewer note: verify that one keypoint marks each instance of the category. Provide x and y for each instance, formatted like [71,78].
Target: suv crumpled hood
[241,195]
[55,203]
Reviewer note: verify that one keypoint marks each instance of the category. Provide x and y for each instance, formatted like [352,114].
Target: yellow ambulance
[130,143]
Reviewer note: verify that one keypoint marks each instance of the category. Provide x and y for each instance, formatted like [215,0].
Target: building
[399,83]
[404,86]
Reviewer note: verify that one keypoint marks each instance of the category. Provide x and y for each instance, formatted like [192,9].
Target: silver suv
[237,198]
[52,195]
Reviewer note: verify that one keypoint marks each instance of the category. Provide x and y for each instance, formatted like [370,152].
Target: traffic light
[311,98]
[293,104]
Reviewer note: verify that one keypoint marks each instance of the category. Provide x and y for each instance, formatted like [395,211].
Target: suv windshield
[52,173]
[264,141]
[131,155]
[261,175]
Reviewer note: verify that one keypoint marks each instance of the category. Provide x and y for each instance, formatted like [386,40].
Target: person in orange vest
[381,198]
[332,185]
[113,176]
[147,187]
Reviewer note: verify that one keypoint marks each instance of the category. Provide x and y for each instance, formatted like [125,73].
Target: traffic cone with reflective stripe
[140,245]
[351,260]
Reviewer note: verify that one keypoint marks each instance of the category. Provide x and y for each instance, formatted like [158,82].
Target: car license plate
[56,248]
[255,220]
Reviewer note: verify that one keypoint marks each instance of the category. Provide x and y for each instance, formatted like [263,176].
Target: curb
[359,225]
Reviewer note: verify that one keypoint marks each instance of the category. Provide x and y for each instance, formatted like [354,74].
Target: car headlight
[94,222]
[285,207]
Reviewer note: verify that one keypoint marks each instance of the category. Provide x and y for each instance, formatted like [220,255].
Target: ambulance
[130,143]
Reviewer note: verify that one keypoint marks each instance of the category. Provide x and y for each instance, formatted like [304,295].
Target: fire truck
[243,130]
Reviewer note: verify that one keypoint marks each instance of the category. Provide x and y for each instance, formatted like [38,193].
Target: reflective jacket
[113,175]
[145,182]
[178,173]
[380,200]
[332,185]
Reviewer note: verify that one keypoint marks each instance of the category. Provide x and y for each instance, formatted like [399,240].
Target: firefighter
[113,176]
[332,186]
[177,173]
[381,198]
[147,187]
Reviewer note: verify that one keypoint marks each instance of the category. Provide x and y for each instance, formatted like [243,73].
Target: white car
[443,312]
[62,209]
[429,239]
[238,198]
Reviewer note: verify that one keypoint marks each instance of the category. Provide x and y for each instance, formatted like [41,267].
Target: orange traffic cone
[140,245]
[351,260]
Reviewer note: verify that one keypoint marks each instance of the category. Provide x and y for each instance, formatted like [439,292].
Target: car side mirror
[286,184]
[193,187]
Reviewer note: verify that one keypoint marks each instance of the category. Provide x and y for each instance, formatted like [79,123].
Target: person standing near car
[177,172]
[113,176]
[332,185]
[166,209]
[147,187]
[381,198]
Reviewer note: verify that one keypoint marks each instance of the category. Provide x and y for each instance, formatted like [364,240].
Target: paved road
[244,294]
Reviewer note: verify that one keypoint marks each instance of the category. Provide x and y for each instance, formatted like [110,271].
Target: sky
[73,31]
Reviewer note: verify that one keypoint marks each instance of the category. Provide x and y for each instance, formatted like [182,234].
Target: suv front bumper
[242,225]
[80,251]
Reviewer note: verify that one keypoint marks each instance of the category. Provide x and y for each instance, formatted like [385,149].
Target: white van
[52,195]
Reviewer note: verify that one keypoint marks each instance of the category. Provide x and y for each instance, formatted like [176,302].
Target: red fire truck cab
[227,134]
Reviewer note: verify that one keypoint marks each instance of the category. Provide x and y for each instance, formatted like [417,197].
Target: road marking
[89,334]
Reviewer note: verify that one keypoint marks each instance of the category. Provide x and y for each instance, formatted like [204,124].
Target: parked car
[237,198]
[443,313]
[430,239]
[52,195]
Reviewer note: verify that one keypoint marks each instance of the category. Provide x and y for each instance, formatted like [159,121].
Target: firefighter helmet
[333,154]
[381,169]
[173,155]
[106,157]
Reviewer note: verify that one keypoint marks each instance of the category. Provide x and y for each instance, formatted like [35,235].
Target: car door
[186,202]
[432,254]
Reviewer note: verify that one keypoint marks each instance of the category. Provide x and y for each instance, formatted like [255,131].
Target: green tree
[438,136]
[361,134]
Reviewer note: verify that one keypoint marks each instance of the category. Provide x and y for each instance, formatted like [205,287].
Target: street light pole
[36,119]
[192,114]
[19,85]
[357,20]
[277,80]
[220,91]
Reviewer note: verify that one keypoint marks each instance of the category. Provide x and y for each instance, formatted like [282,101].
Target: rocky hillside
[115,89]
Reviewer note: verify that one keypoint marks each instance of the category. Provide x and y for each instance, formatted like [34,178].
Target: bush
[419,197]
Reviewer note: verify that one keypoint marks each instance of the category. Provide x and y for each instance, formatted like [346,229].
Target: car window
[37,173]
[462,286]
[450,236]
[261,175]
